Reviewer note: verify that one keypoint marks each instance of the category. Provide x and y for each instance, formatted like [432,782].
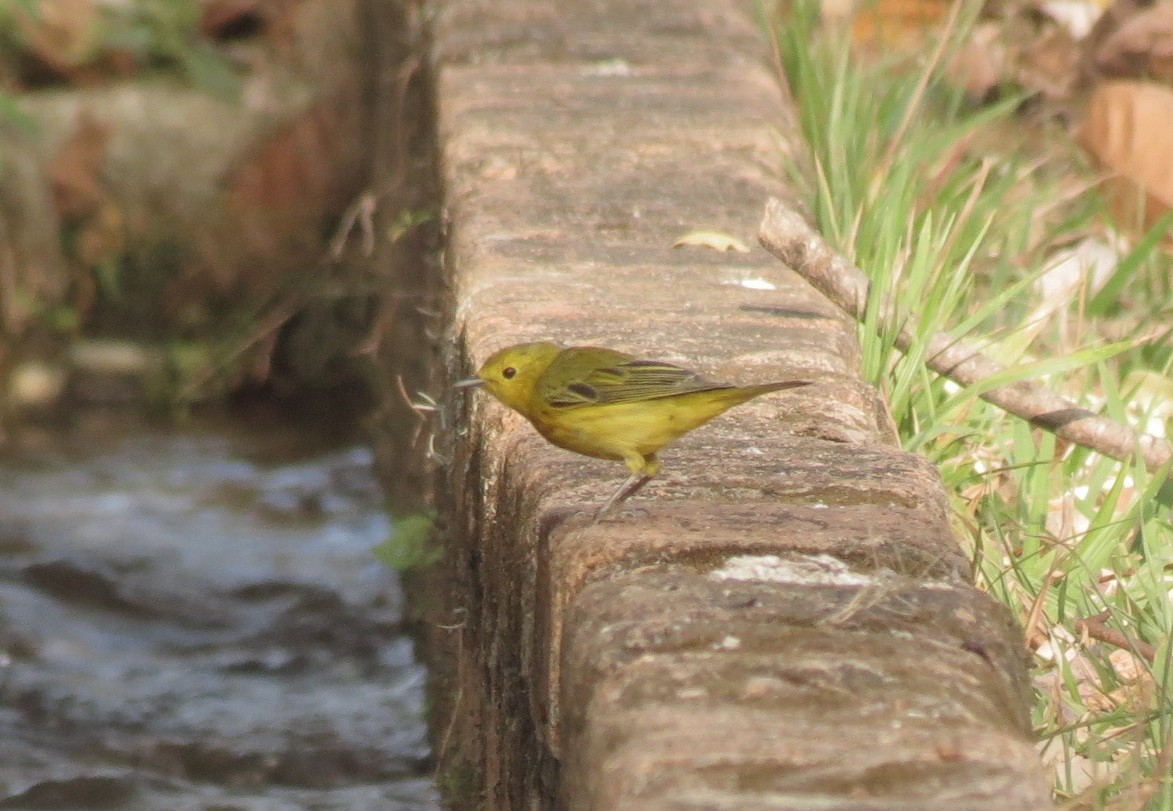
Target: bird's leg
[643,470]
[629,488]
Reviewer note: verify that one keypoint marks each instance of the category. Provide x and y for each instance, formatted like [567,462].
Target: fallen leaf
[1129,131]
[1064,521]
[1079,272]
[1048,64]
[1114,17]
[1142,47]
[711,239]
[978,64]
[1072,770]
[1127,666]
[897,23]
[1089,262]
[1076,16]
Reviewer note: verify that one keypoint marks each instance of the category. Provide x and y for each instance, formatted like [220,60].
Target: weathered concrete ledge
[789,621]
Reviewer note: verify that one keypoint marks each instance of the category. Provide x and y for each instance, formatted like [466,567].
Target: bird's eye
[508,372]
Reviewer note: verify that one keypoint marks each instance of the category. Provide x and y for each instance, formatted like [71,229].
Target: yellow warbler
[607,404]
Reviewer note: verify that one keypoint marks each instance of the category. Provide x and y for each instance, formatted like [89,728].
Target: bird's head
[511,374]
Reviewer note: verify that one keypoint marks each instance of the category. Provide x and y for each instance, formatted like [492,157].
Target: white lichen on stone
[758,284]
[730,642]
[799,569]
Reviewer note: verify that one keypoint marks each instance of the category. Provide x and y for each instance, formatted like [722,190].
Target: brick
[742,693]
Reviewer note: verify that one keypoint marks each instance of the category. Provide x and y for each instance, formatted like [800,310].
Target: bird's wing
[623,380]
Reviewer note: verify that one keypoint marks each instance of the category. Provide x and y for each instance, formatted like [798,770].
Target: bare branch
[787,235]
[1096,629]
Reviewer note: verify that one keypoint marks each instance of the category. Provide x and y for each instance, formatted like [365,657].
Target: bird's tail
[785,384]
[750,392]
[736,395]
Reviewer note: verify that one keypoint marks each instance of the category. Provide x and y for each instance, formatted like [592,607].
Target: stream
[191,618]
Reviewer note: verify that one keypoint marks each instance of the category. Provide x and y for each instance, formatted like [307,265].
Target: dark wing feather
[621,380]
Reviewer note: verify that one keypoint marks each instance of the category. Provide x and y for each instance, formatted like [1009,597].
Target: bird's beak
[468,383]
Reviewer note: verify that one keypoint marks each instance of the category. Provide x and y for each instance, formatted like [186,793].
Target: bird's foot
[613,514]
[631,512]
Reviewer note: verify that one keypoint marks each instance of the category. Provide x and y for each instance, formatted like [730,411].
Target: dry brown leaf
[1127,666]
[716,240]
[1142,47]
[1086,265]
[1048,64]
[978,64]
[897,23]
[1077,17]
[1129,131]
[1115,15]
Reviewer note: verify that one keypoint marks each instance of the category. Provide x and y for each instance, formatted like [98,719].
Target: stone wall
[785,617]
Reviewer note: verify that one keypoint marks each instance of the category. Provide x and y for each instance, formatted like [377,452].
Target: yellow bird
[608,404]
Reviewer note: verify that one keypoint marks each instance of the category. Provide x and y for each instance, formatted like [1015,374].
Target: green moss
[412,543]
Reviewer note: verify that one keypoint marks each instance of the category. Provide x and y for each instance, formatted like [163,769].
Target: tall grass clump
[956,212]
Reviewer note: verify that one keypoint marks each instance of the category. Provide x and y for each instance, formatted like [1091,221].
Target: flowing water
[192,619]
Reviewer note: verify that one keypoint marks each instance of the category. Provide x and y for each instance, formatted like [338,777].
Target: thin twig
[458,700]
[1033,631]
[1096,629]
[264,331]
[788,236]
[361,212]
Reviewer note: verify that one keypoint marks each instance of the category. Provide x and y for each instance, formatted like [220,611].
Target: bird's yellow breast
[617,430]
